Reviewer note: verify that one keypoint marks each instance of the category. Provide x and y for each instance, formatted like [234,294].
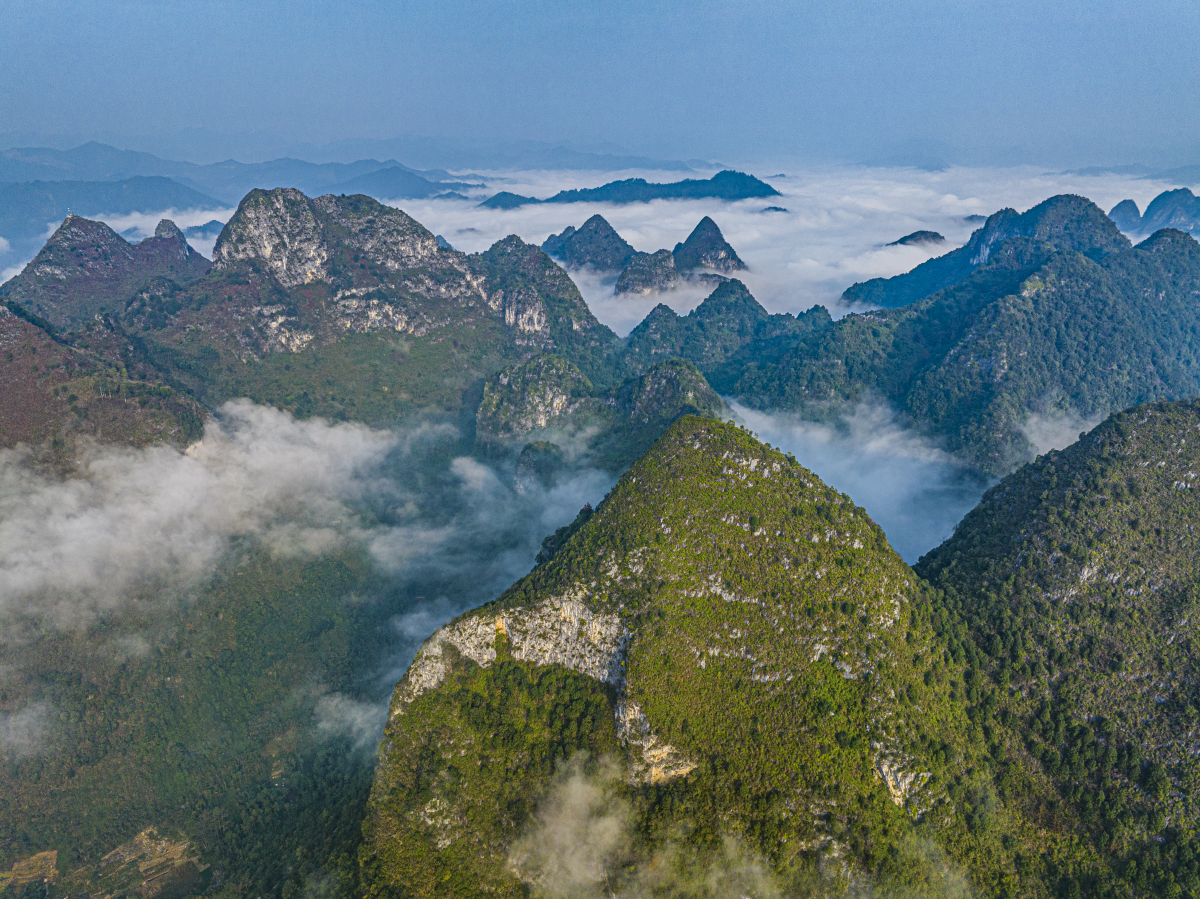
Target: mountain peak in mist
[706,247]
[596,244]
[1062,222]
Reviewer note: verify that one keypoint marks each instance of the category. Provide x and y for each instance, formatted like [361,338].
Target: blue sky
[1062,83]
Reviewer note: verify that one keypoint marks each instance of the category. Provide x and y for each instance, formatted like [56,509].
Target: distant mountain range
[228,181]
[726,185]
[1179,209]
[28,209]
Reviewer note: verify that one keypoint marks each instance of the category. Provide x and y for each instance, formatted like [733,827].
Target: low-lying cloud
[1057,430]
[835,232]
[25,731]
[142,224]
[360,722]
[916,492]
[135,521]
[582,843]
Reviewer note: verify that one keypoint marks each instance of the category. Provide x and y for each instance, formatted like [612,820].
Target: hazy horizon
[1065,85]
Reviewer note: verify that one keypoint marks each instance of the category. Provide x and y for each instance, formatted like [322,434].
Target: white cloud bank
[834,233]
[144,520]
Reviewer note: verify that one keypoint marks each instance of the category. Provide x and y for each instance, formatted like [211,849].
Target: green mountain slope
[743,645]
[728,334]
[1034,331]
[1076,578]
[1063,222]
[199,725]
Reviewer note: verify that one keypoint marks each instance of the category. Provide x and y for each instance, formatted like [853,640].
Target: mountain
[1064,222]
[694,261]
[228,180]
[706,247]
[86,268]
[649,273]
[752,674]
[1075,578]
[1178,209]
[395,183]
[725,334]
[1126,216]
[28,210]
[595,244]
[1035,334]
[506,200]
[726,185]
[918,238]
[546,398]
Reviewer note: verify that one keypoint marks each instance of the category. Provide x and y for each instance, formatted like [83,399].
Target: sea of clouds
[835,232]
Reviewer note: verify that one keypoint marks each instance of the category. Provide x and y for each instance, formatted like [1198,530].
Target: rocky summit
[706,247]
[86,268]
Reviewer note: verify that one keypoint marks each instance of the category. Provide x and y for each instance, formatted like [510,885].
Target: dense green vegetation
[501,731]
[1036,330]
[781,654]
[199,719]
[1075,579]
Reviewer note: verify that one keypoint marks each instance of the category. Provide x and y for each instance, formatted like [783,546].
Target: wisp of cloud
[916,492]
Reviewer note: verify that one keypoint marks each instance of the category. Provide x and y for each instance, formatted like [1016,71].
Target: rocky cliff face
[549,398]
[730,614]
[86,267]
[539,393]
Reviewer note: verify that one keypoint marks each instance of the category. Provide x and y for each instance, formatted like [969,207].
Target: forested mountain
[1178,209]
[745,643]
[86,267]
[1066,321]
[727,185]
[594,244]
[1065,222]
[1076,580]
[770,701]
